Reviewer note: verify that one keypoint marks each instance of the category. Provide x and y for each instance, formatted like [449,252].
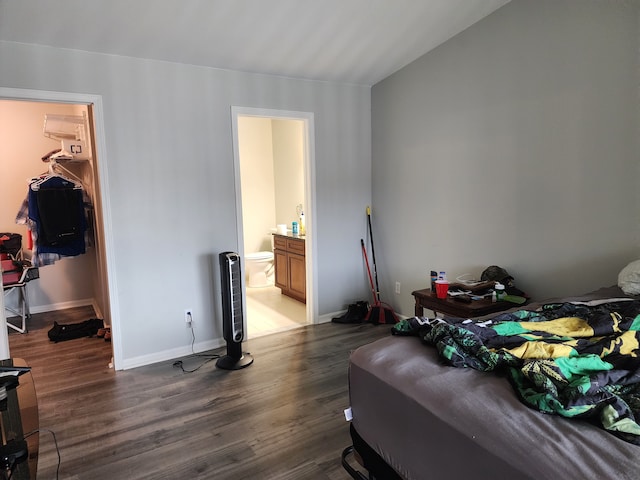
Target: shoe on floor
[102,332]
[356,313]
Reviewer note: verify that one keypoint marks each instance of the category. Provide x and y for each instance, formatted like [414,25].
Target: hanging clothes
[57,208]
[55,211]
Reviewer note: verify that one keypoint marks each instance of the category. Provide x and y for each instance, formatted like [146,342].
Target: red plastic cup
[442,287]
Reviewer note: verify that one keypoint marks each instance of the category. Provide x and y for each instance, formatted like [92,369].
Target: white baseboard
[328,316]
[97,310]
[61,306]
[171,354]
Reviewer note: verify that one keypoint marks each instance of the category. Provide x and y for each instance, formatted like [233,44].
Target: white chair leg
[24,308]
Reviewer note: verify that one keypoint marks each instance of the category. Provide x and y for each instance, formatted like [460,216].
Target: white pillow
[629,278]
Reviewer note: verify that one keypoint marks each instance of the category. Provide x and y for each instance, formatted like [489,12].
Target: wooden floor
[280,418]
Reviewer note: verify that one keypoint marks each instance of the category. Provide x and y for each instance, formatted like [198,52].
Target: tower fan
[232,315]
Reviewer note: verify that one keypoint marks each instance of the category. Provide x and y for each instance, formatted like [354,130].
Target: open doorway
[74,281]
[274,186]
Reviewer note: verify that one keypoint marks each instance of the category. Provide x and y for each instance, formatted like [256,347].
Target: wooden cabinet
[291,272]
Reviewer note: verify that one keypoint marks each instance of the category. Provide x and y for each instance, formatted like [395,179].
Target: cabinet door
[282,273]
[297,276]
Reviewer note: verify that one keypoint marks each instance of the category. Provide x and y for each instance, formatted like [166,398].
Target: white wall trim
[172,354]
[326,318]
[98,111]
[52,307]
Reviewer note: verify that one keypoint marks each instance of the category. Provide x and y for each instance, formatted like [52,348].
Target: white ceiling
[352,41]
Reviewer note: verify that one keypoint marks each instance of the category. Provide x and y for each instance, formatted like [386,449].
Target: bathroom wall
[271,165]
[288,157]
[257,172]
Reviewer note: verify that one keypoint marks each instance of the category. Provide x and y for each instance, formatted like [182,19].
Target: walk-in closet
[50,197]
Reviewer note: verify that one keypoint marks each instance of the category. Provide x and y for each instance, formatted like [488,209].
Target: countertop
[290,235]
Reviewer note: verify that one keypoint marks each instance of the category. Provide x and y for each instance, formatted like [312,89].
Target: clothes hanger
[70,176]
[52,173]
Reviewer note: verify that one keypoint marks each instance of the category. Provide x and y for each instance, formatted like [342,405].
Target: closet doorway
[275,183]
[74,281]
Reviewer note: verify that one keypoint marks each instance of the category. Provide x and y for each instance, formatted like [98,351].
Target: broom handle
[366,260]
[373,252]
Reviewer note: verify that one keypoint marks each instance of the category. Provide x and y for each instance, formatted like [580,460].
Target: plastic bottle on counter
[302,228]
[294,228]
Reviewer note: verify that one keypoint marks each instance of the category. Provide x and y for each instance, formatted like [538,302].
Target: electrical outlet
[397,288]
[188,317]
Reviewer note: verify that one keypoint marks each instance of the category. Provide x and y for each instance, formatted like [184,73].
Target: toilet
[259,267]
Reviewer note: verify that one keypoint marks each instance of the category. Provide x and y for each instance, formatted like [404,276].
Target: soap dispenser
[302,227]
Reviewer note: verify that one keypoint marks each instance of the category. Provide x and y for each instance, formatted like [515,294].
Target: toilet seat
[257,256]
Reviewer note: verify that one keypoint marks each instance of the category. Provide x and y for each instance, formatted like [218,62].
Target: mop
[378,312]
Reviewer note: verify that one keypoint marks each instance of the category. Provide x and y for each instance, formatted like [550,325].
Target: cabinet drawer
[280,242]
[295,246]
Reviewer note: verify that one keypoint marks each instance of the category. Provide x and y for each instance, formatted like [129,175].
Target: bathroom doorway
[274,185]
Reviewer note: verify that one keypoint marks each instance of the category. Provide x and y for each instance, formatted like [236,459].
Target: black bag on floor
[88,328]
[12,245]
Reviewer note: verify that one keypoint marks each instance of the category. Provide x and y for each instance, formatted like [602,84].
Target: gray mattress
[428,420]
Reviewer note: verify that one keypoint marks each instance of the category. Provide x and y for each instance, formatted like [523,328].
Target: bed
[414,417]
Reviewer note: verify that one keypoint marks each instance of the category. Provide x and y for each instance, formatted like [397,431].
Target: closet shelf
[64,127]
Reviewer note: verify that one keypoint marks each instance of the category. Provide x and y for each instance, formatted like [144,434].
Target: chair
[17,279]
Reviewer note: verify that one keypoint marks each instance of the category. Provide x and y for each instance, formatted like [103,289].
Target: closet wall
[73,280]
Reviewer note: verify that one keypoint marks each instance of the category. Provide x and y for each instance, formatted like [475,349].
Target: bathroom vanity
[291,274]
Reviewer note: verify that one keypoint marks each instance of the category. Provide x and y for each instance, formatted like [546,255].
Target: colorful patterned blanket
[573,360]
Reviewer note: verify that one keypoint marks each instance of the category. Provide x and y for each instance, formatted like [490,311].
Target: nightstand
[477,308]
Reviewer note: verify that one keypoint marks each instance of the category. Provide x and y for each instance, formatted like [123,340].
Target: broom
[373,252]
[378,312]
[389,315]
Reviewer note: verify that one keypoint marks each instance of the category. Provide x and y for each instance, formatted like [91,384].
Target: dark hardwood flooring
[280,418]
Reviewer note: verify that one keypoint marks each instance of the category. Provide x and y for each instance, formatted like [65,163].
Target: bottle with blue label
[434,277]
[294,228]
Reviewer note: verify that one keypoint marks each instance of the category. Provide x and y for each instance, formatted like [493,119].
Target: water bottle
[434,277]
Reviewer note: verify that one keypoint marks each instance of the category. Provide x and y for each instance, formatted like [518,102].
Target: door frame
[101,163]
[309,197]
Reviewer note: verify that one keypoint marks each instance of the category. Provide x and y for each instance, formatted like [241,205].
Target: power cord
[55,441]
[208,357]
[178,364]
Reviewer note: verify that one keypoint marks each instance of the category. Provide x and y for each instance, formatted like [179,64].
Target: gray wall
[514,143]
[171,181]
